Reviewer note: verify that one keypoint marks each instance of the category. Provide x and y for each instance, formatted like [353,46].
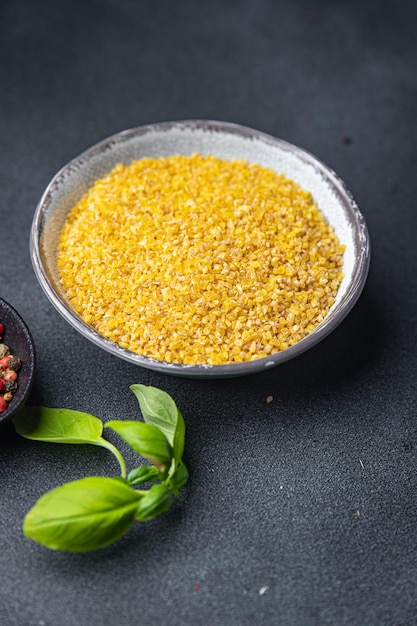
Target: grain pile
[197,260]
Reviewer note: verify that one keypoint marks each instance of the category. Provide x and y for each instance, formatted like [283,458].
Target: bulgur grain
[198,260]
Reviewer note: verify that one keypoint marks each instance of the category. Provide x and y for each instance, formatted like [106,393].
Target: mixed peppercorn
[9,367]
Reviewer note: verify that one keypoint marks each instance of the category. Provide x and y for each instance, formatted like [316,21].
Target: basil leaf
[143,474]
[160,410]
[83,515]
[145,439]
[40,423]
[57,425]
[178,479]
[154,502]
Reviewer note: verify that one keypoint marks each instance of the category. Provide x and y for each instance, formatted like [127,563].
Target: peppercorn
[14,363]
[10,375]
[4,350]
[9,385]
[4,362]
[9,366]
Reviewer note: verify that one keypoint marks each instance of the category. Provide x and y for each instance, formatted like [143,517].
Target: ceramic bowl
[17,336]
[226,141]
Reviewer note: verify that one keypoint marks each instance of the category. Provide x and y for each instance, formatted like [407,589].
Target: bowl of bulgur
[200,248]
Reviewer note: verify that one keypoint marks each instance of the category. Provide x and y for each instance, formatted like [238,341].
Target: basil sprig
[94,512]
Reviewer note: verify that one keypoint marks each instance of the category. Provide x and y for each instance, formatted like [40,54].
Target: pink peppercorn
[10,375]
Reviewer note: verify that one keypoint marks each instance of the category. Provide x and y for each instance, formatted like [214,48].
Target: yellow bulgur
[198,260]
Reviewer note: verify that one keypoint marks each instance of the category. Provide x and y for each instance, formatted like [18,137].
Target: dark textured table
[301,510]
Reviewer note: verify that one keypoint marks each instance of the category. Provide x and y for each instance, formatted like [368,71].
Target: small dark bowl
[17,336]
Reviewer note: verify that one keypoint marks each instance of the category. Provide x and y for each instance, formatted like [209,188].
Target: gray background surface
[300,511]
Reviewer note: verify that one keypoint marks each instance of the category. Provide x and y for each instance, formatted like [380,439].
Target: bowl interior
[17,336]
[225,141]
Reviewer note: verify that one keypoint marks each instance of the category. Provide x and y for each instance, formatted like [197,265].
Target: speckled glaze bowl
[226,141]
[17,336]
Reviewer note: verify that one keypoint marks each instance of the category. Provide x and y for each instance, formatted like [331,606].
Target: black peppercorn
[14,363]
[10,385]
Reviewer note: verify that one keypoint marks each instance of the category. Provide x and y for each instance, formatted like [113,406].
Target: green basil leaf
[143,474]
[83,515]
[154,502]
[145,439]
[58,425]
[178,479]
[40,423]
[160,410]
